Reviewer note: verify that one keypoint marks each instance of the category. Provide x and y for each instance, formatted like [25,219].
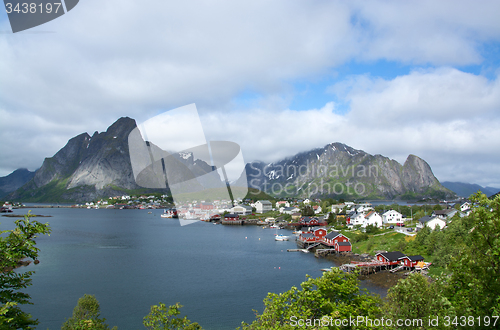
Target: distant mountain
[97,166]
[14,180]
[340,171]
[467,189]
[87,167]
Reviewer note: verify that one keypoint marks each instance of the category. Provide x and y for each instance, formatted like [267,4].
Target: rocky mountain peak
[122,127]
[337,169]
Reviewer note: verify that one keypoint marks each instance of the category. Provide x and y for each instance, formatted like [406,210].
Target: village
[321,227]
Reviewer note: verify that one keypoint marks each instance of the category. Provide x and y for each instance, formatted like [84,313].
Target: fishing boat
[281,237]
[170,213]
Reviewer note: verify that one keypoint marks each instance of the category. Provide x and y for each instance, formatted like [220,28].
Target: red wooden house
[231,217]
[390,257]
[333,237]
[411,261]
[312,237]
[309,221]
[308,238]
[343,246]
[320,233]
[215,217]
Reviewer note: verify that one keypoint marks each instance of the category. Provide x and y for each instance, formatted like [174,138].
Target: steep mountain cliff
[14,180]
[340,171]
[99,166]
[87,167]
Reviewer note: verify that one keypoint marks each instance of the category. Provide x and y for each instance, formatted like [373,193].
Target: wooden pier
[323,252]
[366,268]
[232,222]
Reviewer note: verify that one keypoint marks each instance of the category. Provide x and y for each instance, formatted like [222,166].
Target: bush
[360,237]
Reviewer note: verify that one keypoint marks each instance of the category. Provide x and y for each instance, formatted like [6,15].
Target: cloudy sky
[278,77]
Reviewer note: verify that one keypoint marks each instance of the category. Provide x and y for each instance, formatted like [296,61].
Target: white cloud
[124,58]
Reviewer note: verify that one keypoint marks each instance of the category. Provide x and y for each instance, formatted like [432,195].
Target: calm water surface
[130,260]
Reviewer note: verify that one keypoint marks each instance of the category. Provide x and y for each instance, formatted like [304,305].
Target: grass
[388,242]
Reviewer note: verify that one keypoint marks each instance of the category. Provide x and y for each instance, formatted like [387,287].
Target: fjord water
[130,260]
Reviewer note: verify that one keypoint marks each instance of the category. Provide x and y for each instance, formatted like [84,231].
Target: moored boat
[170,213]
[281,237]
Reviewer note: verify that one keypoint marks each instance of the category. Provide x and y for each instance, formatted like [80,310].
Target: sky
[277,77]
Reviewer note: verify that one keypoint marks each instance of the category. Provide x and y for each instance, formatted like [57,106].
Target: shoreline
[383,279]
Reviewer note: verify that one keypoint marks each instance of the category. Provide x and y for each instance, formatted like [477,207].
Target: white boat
[169,213]
[281,237]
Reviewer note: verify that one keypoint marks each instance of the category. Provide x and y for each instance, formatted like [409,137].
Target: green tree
[86,315]
[332,218]
[474,286]
[307,211]
[371,229]
[161,318]
[16,245]
[437,207]
[414,298]
[469,248]
[335,295]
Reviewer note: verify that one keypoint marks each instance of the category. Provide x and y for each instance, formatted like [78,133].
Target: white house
[282,204]
[241,209]
[317,209]
[263,206]
[307,201]
[392,217]
[465,207]
[289,210]
[337,207]
[445,214]
[431,221]
[357,219]
[373,218]
[364,208]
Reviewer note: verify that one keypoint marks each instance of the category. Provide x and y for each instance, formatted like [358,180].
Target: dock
[322,252]
[370,267]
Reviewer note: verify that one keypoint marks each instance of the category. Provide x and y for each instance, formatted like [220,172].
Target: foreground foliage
[86,315]
[161,318]
[469,249]
[334,296]
[16,245]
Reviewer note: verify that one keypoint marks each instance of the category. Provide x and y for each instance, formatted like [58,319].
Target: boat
[274,226]
[170,213]
[281,237]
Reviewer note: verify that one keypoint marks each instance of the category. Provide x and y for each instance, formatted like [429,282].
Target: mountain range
[14,180]
[467,189]
[340,171]
[90,167]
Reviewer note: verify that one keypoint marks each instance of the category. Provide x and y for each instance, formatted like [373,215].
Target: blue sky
[388,77]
